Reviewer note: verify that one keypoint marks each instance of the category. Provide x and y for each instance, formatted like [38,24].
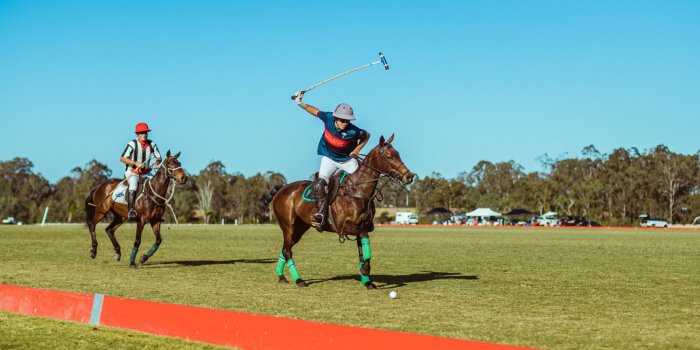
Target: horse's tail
[90,208]
[267,199]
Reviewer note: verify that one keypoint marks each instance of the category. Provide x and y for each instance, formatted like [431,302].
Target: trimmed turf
[557,289]
[20,331]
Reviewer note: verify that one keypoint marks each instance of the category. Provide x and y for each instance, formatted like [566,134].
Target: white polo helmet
[344,111]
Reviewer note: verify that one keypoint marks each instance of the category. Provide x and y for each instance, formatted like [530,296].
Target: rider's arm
[125,157]
[130,162]
[357,149]
[309,108]
[156,154]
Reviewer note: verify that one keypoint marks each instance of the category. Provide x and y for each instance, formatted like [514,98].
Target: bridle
[393,176]
[170,175]
[396,179]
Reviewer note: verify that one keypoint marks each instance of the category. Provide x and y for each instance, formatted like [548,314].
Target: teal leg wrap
[134,250]
[364,279]
[152,251]
[366,253]
[293,270]
[280,264]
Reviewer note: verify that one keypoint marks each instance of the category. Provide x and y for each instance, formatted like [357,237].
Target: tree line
[612,188]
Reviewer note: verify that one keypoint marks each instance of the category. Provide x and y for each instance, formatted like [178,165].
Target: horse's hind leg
[118,221]
[92,224]
[365,256]
[155,225]
[292,234]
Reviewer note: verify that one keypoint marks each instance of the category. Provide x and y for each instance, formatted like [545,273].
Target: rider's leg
[321,197]
[133,181]
[326,170]
[349,166]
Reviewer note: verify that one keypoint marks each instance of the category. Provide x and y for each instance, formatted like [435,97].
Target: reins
[166,201]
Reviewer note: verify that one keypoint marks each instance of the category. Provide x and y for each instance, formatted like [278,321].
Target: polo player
[137,156]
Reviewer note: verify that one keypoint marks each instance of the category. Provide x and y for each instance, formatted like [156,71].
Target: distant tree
[21,190]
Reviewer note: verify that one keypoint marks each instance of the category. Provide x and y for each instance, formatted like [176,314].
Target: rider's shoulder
[325,115]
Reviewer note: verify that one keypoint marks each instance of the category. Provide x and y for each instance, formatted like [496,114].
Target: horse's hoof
[300,283]
[117,257]
[370,285]
[282,280]
[143,258]
[93,254]
[132,266]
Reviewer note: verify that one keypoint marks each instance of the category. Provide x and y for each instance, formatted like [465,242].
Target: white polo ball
[393,295]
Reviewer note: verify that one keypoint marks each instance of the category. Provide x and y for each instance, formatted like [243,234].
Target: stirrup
[318,223]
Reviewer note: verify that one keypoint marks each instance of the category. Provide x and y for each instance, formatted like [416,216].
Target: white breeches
[329,166]
[132,179]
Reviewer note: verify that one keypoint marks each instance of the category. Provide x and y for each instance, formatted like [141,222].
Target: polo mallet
[382,60]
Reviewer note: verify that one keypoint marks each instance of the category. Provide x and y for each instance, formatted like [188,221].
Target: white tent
[483,213]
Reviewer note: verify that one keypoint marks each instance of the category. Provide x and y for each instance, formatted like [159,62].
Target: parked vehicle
[647,221]
[548,219]
[9,220]
[576,221]
[406,218]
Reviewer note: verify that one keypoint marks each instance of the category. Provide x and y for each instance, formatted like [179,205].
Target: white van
[646,221]
[405,218]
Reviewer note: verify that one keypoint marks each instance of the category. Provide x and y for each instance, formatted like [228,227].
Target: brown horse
[150,207]
[352,210]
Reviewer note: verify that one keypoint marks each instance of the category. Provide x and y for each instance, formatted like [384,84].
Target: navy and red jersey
[337,144]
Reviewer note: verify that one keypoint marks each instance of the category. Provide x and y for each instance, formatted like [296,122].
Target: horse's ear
[167,155]
[381,140]
[177,155]
[390,139]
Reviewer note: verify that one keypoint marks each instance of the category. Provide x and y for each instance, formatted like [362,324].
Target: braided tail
[267,199]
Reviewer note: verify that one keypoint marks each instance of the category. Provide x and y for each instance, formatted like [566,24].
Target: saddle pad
[119,194]
[307,195]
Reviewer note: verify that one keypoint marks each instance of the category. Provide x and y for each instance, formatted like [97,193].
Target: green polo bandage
[152,251]
[293,270]
[364,279]
[134,250]
[280,264]
[366,253]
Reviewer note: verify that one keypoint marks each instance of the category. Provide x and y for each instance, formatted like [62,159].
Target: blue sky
[469,80]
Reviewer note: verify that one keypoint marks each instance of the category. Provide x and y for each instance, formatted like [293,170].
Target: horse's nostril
[409,178]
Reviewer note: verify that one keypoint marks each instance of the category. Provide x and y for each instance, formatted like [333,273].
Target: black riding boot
[321,197]
[130,199]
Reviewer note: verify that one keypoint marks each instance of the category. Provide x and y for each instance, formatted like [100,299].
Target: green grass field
[546,288]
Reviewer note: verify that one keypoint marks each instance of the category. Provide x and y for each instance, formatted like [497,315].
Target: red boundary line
[548,227]
[229,328]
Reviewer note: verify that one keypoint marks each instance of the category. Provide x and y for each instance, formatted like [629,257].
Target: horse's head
[385,158]
[173,169]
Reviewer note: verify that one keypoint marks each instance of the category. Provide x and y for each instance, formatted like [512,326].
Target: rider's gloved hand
[298,96]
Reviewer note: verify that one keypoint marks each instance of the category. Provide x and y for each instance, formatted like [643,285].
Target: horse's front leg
[292,234]
[155,225]
[137,242]
[365,256]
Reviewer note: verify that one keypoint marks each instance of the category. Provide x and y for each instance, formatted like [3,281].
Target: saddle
[119,193]
[333,190]
[333,187]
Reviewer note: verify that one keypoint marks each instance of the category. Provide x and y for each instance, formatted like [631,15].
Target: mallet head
[383,59]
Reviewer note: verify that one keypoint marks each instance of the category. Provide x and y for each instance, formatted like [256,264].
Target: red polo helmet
[142,127]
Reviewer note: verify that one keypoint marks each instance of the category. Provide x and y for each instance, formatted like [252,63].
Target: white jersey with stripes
[137,153]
